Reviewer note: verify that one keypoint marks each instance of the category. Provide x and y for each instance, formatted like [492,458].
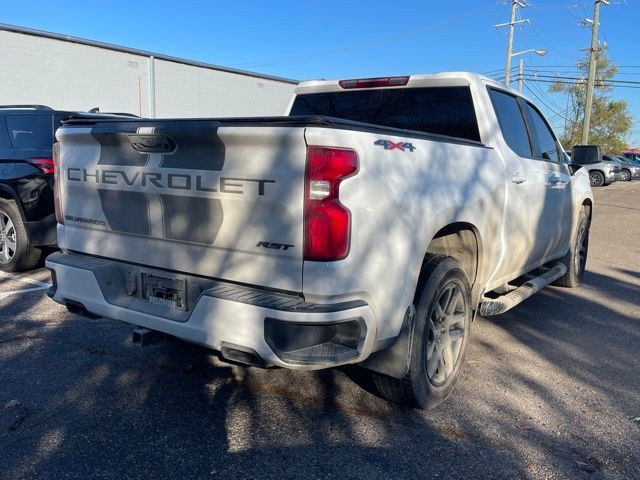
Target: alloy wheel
[445,333]
[595,179]
[7,238]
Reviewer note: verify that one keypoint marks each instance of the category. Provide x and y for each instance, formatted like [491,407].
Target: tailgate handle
[152,143]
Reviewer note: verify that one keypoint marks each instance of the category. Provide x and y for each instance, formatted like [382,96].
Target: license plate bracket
[164,289]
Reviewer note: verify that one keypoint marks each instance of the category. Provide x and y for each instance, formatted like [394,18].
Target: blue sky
[341,39]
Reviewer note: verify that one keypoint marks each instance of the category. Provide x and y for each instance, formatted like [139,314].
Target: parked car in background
[630,169]
[617,166]
[601,173]
[633,155]
[27,219]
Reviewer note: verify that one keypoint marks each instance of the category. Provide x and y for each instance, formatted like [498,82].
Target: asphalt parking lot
[550,390]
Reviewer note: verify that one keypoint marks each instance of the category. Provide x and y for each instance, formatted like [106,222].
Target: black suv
[27,213]
[27,218]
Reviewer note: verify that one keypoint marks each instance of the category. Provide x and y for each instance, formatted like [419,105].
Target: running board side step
[497,306]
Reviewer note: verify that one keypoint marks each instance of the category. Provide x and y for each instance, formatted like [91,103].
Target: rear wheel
[626,175]
[576,259]
[441,336]
[16,252]
[596,179]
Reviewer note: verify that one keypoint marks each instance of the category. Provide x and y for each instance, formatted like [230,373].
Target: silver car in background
[630,168]
[601,173]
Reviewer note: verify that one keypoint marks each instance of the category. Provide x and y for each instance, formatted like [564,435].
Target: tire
[576,259]
[596,179]
[626,176]
[443,286]
[16,252]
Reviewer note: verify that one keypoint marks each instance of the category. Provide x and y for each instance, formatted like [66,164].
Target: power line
[632,82]
[562,82]
[543,102]
[548,99]
[574,66]
[391,38]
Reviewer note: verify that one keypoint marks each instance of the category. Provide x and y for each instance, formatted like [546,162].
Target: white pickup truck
[368,226]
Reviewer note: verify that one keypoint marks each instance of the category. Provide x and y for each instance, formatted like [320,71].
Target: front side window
[545,143]
[511,120]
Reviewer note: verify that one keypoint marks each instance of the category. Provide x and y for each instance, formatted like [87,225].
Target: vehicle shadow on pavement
[575,373]
[97,406]
[549,389]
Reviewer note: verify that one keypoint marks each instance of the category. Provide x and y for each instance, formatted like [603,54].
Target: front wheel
[441,336]
[626,175]
[596,179]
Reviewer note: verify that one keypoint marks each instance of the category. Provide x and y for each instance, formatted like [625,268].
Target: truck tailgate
[187,195]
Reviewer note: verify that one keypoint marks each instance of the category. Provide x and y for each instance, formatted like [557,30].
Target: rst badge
[391,145]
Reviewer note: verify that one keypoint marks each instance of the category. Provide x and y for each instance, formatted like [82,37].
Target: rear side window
[511,122]
[30,132]
[440,110]
[545,144]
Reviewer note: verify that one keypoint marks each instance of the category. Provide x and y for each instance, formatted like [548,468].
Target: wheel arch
[462,241]
[7,193]
[587,205]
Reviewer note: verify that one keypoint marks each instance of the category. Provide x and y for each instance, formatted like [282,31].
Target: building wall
[73,76]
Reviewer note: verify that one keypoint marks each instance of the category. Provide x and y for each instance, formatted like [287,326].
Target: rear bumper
[42,233]
[288,333]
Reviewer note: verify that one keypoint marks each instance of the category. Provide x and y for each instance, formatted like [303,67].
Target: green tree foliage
[611,121]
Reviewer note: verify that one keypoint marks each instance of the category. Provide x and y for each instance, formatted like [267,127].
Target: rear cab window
[437,110]
[29,131]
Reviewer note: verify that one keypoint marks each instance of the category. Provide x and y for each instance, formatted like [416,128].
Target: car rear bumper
[278,329]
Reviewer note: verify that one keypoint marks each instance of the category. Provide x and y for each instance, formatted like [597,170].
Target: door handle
[518,178]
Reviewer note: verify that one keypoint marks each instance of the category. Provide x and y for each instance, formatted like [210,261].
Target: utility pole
[512,23]
[520,74]
[593,59]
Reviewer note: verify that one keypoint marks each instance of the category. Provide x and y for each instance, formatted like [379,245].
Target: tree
[611,121]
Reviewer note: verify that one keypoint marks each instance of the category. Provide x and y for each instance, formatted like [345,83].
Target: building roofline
[135,51]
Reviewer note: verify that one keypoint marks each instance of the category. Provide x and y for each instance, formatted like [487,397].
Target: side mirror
[586,154]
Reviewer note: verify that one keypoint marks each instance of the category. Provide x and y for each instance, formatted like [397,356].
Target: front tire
[16,252]
[441,336]
[596,179]
[626,176]
[576,259]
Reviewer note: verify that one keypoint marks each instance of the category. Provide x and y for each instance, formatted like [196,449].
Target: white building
[70,73]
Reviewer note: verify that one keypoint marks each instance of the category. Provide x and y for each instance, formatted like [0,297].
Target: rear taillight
[56,183]
[45,165]
[374,82]
[327,223]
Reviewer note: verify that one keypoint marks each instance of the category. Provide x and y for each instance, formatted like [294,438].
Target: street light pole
[540,52]
[592,70]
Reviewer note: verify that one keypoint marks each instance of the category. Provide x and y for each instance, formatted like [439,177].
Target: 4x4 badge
[390,145]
